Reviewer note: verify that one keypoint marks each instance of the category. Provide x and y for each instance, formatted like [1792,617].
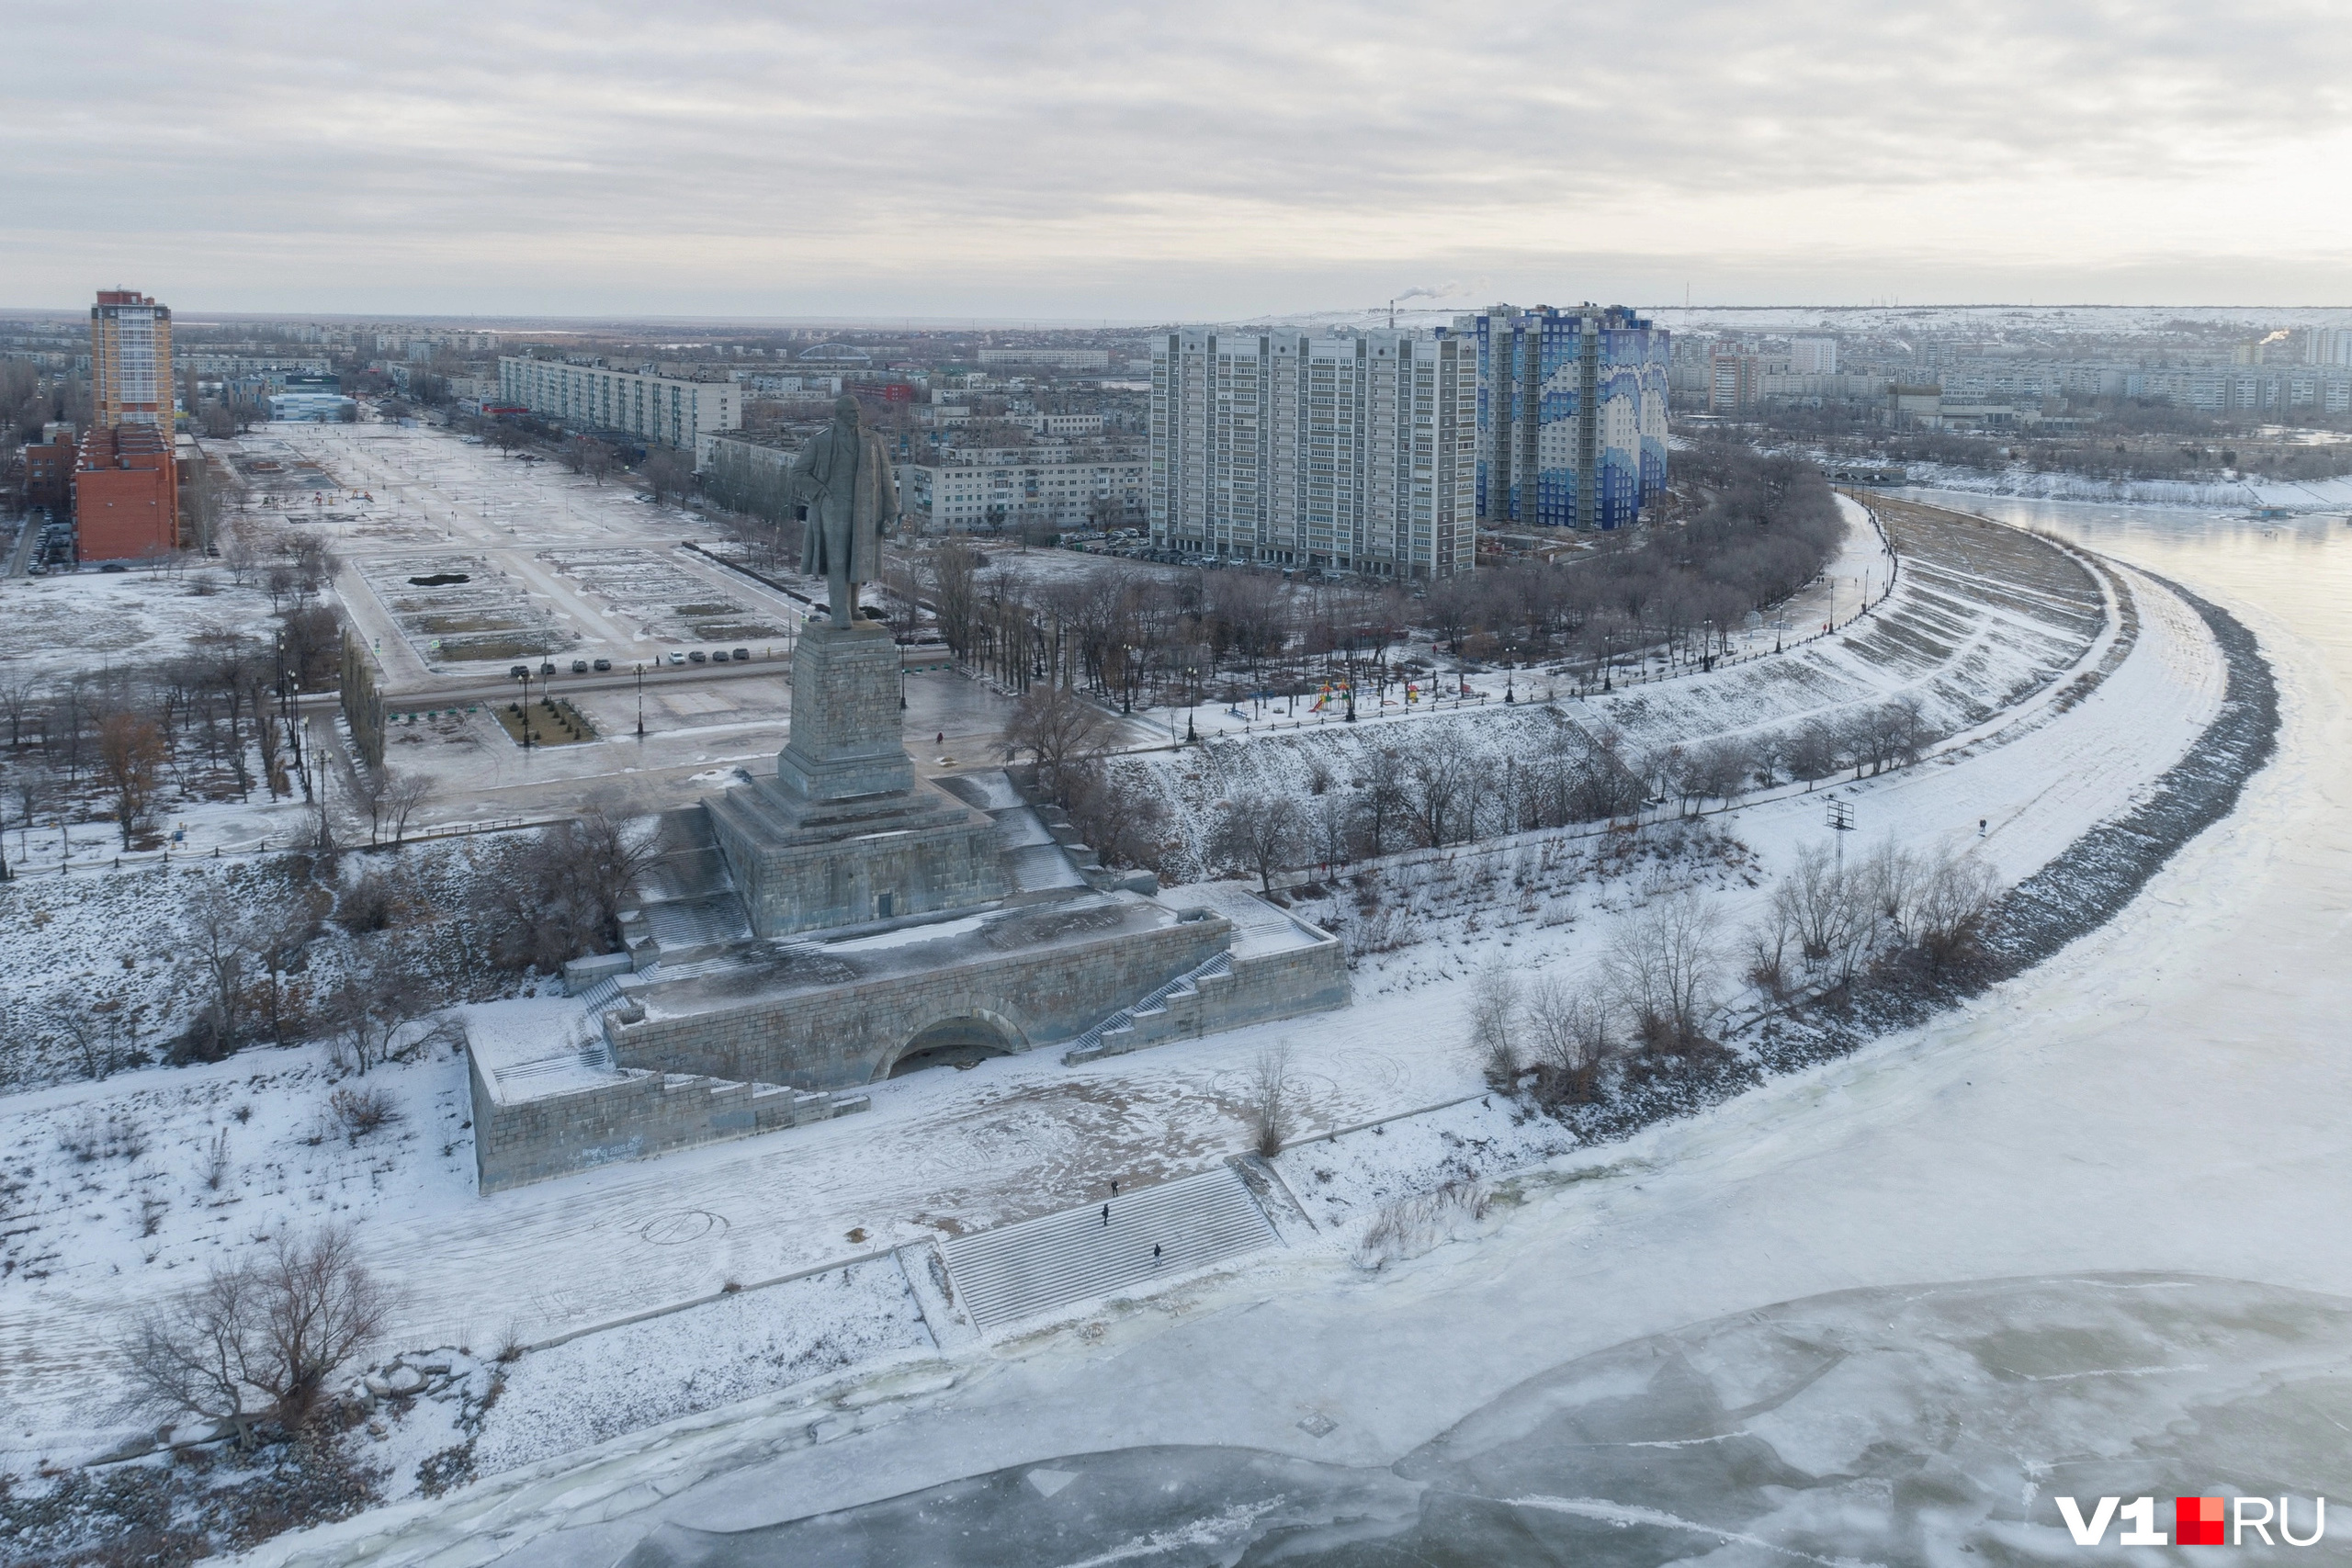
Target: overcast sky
[1163,161]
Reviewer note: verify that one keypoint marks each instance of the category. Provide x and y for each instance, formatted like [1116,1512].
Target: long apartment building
[1349,453]
[1572,410]
[662,409]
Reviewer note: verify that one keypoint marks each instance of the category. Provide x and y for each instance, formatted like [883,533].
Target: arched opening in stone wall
[956,1042]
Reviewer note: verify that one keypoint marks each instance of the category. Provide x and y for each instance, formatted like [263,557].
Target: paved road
[471,688]
[21,557]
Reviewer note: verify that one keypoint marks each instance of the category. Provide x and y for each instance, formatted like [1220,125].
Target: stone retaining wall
[853,1035]
[646,1113]
[1257,990]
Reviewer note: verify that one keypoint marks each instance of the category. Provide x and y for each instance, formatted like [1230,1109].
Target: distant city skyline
[1068,163]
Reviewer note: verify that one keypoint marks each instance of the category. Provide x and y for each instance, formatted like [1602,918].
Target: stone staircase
[1159,1016]
[1025,1271]
[593,1054]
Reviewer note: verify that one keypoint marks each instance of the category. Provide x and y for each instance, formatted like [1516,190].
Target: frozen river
[2085,1237]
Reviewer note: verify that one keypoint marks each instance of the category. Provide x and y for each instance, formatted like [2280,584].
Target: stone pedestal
[845,741]
[842,833]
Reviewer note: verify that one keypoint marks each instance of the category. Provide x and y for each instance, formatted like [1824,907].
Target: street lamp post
[640,699]
[526,707]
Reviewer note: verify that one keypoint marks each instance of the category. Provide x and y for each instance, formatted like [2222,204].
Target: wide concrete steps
[1024,1270]
[1120,1032]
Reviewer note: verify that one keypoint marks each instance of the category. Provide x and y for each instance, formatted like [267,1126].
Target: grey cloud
[806,147]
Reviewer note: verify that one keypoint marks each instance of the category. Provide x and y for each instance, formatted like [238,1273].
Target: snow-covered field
[2311,495]
[2163,1096]
[947,1152]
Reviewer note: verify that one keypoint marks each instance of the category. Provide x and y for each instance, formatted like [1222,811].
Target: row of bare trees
[214,721]
[1134,637]
[1660,982]
[1828,920]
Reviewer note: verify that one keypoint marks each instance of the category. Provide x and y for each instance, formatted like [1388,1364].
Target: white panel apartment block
[1346,453]
[589,397]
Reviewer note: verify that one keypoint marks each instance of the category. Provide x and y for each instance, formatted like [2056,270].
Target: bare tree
[130,749]
[222,939]
[203,1355]
[368,787]
[1058,727]
[667,474]
[1951,906]
[372,1010]
[313,563]
[608,852]
[259,1338]
[406,793]
[1262,831]
[954,594]
[1494,1022]
[1663,966]
[1819,903]
[1436,777]
[1568,1036]
[1271,1091]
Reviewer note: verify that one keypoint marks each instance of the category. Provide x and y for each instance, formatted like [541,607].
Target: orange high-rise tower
[126,485]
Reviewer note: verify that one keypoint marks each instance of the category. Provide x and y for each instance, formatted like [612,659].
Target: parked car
[698,656]
[580,667]
[603,664]
[548,668]
[677,657]
[114,566]
[517,672]
[742,656]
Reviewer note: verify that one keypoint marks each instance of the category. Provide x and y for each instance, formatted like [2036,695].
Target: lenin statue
[844,475]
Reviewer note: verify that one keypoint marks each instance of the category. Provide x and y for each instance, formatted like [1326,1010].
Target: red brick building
[126,495]
[48,472]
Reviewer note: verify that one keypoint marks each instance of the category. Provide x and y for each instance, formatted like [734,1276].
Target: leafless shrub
[1383,931]
[1410,1227]
[1953,898]
[212,1167]
[1271,1091]
[98,1137]
[259,1337]
[362,1111]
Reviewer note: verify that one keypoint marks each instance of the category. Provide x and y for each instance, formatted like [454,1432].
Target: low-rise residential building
[1020,488]
[662,409]
[767,385]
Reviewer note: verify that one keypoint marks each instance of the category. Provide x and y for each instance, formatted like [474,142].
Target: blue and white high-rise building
[1572,410]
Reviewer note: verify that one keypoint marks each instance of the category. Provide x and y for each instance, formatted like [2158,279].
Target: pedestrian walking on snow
[1106,1216]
